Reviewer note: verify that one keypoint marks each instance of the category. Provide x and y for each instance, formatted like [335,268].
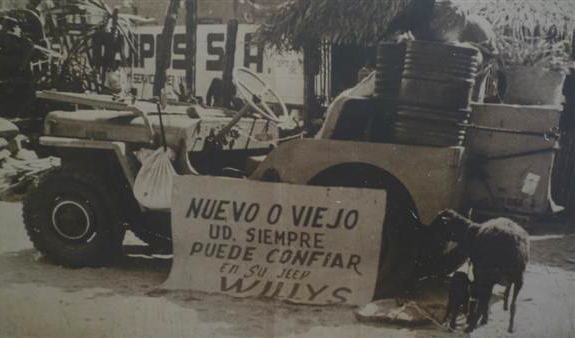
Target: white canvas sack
[153,186]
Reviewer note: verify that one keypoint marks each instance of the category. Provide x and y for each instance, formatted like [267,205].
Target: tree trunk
[191,41]
[229,59]
[164,57]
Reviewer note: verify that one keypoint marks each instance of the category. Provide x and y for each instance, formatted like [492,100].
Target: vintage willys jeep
[77,214]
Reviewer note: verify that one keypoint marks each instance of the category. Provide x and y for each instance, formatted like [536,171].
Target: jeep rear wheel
[398,247]
[72,220]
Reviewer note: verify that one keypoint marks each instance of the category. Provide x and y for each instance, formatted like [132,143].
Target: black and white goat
[498,250]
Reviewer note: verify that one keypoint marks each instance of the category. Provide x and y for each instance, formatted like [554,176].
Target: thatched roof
[360,22]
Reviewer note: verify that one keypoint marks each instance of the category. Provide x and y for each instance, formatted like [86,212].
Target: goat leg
[453,318]
[472,319]
[506,297]
[473,300]
[472,308]
[516,287]
[448,310]
[484,294]
[485,314]
[484,308]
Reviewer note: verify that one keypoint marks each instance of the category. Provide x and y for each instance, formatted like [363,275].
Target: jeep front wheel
[72,220]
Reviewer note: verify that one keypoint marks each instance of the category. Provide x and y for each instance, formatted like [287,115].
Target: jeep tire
[72,219]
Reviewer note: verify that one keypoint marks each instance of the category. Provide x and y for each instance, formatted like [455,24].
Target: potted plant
[534,70]
[533,40]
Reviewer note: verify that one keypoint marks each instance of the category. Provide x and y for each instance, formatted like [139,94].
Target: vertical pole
[110,46]
[235,9]
[191,42]
[164,57]
[311,61]
[229,59]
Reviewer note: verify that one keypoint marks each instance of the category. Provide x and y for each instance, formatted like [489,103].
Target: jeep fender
[433,176]
[118,149]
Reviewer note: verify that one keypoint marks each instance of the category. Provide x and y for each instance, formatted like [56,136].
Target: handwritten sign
[305,244]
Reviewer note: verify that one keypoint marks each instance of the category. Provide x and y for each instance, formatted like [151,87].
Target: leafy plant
[528,32]
[76,70]
[533,52]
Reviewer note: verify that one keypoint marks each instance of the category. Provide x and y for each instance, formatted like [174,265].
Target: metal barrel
[438,75]
[424,126]
[427,89]
[432,115]
[389,69]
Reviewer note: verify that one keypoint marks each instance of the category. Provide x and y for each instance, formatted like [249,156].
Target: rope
[273,142]
[515,155]
[425,313]
[547,135]
[287,138]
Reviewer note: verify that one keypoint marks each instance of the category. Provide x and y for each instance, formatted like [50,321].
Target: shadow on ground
[554,250]
[129,275]
[141,272]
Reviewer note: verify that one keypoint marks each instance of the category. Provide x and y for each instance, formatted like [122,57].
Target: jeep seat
[109,125]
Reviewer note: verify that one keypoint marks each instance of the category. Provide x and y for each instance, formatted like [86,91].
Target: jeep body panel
[433,176]
[122,126]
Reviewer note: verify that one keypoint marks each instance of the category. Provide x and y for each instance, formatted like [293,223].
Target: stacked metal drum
[425,91]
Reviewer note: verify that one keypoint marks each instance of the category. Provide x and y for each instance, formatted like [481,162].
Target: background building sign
[274,240]
[283,72]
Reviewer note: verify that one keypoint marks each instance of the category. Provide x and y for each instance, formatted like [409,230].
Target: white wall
[284,73]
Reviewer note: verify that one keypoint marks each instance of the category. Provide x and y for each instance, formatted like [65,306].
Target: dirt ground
[39,299]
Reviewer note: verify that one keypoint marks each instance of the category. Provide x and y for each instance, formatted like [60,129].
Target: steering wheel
[253,88]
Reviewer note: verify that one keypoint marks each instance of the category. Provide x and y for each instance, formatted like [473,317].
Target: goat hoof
[469,329]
